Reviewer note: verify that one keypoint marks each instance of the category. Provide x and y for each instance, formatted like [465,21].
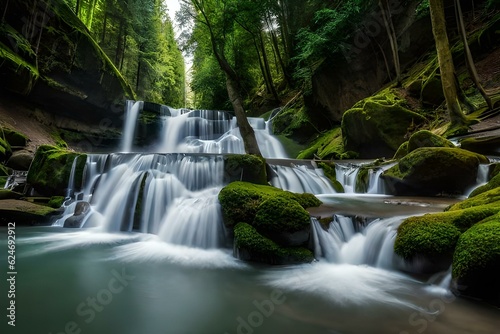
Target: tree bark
[267,69]
[391,32]
[446,66]
[471,67]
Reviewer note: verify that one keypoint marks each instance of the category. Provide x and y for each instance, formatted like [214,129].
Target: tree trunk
[119,43]
[246,130]
[77,8]
[90,13]
[122,58]
[267,69]
[5,10]
[446,66]
[471,67]
[391,32]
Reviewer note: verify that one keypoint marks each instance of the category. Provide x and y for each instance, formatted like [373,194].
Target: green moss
[56,201]
[363,176]
[51,168]
[59,141]
[252,246]
[433,170]
[13,137]
[485,145]
[327,146]
[378,125]
[8,194]
[427,237]
[240,200]
[5,150]
[402,151]
[425,138]
[279,214]
[294,123]
[331,174]
[245,167]
[477,255]
[492,184]
[488,197]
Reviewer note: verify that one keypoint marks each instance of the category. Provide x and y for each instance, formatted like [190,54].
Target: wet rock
[81,211]
[20,160]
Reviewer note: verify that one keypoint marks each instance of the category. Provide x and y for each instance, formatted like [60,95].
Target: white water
[483,172]
[71,182]
[346,174]
[133,110]
[349,242]
[301,179]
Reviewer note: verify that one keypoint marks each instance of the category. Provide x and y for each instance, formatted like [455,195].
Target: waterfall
[301,179]
[132,115]
[483,173]
[346,174]
[71,182]
[349,242]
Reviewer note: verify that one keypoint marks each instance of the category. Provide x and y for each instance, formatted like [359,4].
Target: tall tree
[446,66]
[391,32]
[471,67]
[218,19]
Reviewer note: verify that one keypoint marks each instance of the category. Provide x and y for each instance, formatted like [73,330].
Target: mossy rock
[20,160]
[433,171]
[402,151]
[428,239]
[5,150]
[377,126]
[363,176]
[240,201]
[4,170]
[294,123]
[50,171]
[425,138]
[245,167]
[24,213]
[328,146]
[283,220]
[476,261]
[56,201]
[485,145]
[250,245]
[331,174]
[489,197]
[14,138]
[492,184]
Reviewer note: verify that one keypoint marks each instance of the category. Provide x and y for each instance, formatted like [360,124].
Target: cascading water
[348,241]
[133,109]
[301,179]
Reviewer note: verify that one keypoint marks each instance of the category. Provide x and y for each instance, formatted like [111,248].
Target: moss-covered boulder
[24,213]
[331,174]
[484,145]
[50,171]
[377,126]
[245,167]
[240,201]
[476,262]
[329,145]
[433,171]
[490,197]
[250,245]
[284,221]
[267,218]
[8,194]
[13,137]
[427,239]
[425,138]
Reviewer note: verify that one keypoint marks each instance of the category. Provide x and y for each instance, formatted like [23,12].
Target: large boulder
[245,167]
[476,261]
[485,145]
[425,138]
[377,126]
[14,138]
[270,225]
[20,160]
[25,213]
[50,171]
[433,171]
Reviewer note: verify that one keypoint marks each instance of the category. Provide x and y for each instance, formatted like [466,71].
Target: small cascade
[483,174]
[132,114]
[347,241]
[301,179]
[346,174]
[71,182]
[375,184]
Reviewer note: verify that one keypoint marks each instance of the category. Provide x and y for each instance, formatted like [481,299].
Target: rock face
[68,67]
[20,160]
[433,171]
[377,126]
[50,171]
[76,221]
[270,225]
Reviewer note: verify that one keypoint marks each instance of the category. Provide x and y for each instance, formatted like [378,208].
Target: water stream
[153,258]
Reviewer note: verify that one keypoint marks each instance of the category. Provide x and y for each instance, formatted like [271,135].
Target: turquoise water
[90,282]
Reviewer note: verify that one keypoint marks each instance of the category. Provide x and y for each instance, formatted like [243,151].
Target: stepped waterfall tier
[148,218]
